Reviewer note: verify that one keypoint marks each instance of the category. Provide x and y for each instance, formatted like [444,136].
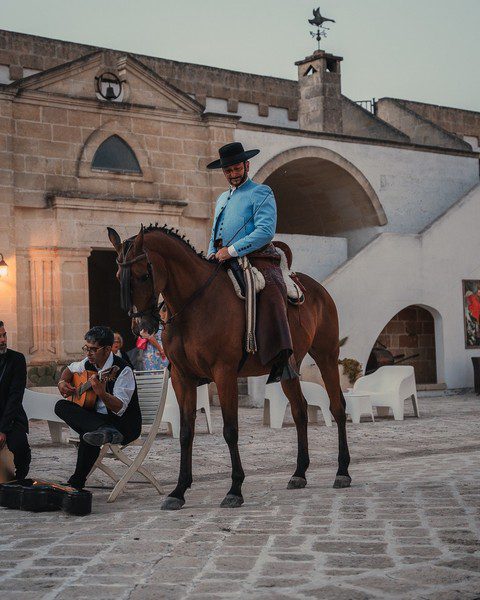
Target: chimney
[319,83]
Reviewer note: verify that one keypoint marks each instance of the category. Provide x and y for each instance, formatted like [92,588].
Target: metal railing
[367,105]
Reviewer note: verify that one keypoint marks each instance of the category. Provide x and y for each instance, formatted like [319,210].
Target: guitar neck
[83,388]
[105,375]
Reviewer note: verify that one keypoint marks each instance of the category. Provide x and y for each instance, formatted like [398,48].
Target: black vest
[130,423]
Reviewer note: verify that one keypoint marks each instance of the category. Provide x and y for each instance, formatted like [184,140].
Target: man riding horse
[158,261]
[244,225]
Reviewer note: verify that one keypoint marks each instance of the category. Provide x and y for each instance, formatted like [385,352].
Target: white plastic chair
[276,403]
[256,389]
[152,389]
[171,414]
[39,405]
[389,387]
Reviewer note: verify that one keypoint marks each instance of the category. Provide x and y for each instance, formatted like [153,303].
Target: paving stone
[387,585]
[470,563]
[87,592]
[330,592]
[277,582]
[291,556]
[350,547]
[437,575]
[456,593]
[211,587]
[235,563]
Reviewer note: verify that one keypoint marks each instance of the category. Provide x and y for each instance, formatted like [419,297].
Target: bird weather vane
[318,21]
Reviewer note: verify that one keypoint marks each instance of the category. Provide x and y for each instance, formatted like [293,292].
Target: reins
[193,296]
[154,308]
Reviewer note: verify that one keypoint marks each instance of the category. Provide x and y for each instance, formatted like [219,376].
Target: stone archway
[319,192]
[410,332]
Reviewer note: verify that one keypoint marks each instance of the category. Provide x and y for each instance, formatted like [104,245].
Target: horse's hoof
[342,481]
[171,503]
[296,483]
[231,501]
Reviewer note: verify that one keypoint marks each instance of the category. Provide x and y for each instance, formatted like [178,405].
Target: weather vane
[318,21]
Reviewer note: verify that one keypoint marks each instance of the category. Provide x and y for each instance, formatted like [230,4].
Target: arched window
[116,155]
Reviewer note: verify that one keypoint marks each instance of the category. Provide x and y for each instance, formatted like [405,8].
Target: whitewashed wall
[426,269]
[414,187]
[314,255]
[277,117]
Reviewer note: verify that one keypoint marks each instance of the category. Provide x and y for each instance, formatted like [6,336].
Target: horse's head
[142,279]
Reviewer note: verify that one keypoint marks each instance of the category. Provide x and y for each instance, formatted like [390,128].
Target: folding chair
[152,393]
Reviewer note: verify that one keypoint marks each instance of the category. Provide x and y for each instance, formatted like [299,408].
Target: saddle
[295,290]
[248,281]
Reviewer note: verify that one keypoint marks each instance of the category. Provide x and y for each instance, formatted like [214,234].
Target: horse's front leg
[228,394]
[186,392]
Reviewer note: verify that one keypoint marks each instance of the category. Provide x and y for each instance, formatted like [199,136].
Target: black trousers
[81,421]
[17,443]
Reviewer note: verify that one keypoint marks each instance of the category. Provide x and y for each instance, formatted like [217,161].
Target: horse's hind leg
[186,392]
[328,366]
[293,391]
[228,395]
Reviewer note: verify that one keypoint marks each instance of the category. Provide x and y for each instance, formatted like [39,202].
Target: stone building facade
[74,161]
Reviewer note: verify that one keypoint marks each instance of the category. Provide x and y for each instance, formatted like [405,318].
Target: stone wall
[56,207]
[22,51]
[419,129]
[458,121]
[8,304]
[410,332]
[361,122]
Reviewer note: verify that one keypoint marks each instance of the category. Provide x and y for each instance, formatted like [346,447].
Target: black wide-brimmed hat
[231,154]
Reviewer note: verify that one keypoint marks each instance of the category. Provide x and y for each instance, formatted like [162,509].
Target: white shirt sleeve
[77,367]
[232,251]
[124,388]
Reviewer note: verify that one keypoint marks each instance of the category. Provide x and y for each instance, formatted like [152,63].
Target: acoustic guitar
[7,470]
[84,394]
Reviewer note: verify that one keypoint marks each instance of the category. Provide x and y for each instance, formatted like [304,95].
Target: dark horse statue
[203,339]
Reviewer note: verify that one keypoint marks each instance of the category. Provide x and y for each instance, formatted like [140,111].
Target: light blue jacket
[233,221]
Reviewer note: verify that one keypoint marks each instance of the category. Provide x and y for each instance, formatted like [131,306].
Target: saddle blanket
[294,292]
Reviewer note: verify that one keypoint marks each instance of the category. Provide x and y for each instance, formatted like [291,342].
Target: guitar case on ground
[42,496]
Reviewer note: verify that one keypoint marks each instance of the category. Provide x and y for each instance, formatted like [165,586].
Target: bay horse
[203,339]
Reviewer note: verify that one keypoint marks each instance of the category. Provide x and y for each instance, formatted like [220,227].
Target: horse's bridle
[125,284]
[153,309]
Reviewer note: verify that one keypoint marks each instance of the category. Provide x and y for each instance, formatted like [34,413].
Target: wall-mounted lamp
[3,267]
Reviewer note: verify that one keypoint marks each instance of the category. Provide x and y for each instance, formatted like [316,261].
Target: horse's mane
[172,232]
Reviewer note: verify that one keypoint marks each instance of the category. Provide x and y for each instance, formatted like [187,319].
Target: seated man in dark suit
[115,418]
[13,420]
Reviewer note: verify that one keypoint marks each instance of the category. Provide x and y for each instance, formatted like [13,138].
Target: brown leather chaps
[272,331]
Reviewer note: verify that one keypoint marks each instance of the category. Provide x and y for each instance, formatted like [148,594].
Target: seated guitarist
[116,417]
[244,224]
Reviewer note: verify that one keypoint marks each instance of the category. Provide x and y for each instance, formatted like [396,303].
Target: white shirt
[123,388]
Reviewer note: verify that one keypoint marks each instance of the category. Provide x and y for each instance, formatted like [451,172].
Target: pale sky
[425,50]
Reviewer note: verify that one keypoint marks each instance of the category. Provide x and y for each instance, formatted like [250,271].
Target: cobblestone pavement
[407,528]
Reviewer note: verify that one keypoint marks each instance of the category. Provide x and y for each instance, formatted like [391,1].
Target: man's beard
[243,179]
[3,349]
